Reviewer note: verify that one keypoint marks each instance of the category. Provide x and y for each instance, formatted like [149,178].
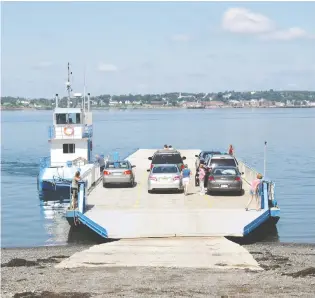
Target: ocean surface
[28,221]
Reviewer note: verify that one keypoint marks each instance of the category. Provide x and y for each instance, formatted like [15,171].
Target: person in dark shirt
[75,190]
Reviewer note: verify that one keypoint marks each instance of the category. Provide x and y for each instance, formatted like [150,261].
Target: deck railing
[88,180]
[58,132]
[45,162]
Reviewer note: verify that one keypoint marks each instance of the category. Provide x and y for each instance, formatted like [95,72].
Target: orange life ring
[68,130]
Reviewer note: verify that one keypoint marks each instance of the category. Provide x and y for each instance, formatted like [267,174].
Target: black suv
[167,156]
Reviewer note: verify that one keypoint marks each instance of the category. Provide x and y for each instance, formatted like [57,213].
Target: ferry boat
[71,145]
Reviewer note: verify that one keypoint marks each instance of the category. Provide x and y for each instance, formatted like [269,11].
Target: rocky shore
[289,271]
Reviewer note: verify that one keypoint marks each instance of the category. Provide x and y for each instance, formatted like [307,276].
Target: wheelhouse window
[69,118]
[117,165]
[167,158]
[68,148]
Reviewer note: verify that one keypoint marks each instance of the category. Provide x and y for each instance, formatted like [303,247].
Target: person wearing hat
[75,189]
[254,192]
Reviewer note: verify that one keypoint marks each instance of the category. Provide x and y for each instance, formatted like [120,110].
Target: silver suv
[219,160]
[167,156]
[222,160]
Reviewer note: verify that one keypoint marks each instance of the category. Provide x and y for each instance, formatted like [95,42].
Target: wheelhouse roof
[67,110]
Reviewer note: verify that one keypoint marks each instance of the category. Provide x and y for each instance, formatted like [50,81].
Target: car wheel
[149,191]
[104,185]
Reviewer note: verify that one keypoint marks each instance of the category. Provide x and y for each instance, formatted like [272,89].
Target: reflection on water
[52,212]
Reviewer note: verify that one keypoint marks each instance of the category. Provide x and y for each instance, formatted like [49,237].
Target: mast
[265,158]
[84,92]
[56,98]
[69,85]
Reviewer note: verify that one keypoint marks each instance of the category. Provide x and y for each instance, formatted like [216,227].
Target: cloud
[107,67]
[289,34]
[241,20]
[181,37]
[244,21]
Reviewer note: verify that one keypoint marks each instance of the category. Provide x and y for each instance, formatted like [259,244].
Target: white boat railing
[250,174]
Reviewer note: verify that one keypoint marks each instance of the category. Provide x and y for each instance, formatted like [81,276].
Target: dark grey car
[225,179]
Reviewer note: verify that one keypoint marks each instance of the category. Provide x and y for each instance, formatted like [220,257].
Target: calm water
[27,221]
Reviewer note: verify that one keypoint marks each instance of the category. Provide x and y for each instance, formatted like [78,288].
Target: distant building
[227,96]
[113,103]
[157,103]
[139,102]
[213,104]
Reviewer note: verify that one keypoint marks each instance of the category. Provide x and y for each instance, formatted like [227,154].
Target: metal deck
[134,213]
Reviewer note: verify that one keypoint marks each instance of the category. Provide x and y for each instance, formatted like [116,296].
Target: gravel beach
[289,271]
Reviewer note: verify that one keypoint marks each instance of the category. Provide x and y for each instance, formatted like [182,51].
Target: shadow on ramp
[267,232]
[83,235]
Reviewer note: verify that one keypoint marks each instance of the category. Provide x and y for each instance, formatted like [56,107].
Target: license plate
[164,178]
[224,186]
[116,174]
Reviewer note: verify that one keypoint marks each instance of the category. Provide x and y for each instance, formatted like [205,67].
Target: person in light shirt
[186,173]
[202,174]
[254,192]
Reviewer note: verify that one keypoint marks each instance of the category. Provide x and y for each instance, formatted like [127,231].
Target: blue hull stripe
[89,223]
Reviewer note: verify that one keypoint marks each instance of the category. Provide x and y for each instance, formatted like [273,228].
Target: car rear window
[224,171]
[166,170]
[117,165]
[223,162]
[207,153]
[167,158]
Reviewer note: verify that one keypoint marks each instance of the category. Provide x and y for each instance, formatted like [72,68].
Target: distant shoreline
[156,108]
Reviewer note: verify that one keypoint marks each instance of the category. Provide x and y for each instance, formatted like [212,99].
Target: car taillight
[182,167]
[151,166]
[237,179]
[106,173]
[211,178]
[152,178]
[176,178]
[127,172]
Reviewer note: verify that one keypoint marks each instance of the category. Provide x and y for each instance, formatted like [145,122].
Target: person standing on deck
[231,150]
[186,173]
[75,190]
[254,192]
[101,161]
[165,147]
[202,174]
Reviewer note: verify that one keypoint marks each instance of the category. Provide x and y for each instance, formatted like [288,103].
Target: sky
[156,47]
